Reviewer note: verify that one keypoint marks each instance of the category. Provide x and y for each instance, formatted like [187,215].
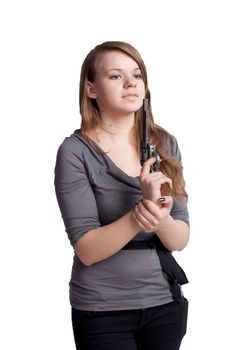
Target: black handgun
[148,150]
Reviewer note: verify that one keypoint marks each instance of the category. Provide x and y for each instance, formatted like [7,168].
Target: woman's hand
[151,182]
[150,216]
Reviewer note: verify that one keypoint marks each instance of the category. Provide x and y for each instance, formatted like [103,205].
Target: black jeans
[158,328]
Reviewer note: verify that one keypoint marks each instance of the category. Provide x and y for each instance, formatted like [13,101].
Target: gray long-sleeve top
[92,191]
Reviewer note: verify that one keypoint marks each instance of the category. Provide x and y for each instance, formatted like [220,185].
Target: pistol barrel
[145,120]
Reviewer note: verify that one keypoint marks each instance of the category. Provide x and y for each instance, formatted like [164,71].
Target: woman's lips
[130,96]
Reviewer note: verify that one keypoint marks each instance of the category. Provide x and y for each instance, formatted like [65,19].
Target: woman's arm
[174,234]
[101,243]
[91,241]
[153,213]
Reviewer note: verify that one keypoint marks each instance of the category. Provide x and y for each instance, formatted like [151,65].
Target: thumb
[166,202]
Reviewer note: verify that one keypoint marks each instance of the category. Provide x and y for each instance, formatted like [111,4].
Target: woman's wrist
[165,225]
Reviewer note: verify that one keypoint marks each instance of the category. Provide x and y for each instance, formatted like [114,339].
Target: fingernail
[162,199]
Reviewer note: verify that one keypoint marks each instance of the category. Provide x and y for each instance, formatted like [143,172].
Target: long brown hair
[91,117]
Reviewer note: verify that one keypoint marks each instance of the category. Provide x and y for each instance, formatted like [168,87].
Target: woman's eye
[114,77]
[138,76]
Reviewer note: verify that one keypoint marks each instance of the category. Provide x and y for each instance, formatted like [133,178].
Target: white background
[187,47]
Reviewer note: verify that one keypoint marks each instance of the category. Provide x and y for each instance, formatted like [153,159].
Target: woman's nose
[129,82]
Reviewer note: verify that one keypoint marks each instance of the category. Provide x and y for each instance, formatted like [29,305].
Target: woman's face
[118,87]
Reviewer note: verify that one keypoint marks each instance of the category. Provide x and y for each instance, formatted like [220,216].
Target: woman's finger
[145,170]
[140,225]
[157,177]
[151,219]
[165,204]
[142,219]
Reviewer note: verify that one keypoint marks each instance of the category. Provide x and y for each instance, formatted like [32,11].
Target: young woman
[125,285]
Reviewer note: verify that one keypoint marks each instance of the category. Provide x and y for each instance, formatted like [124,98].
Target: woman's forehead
[116,60]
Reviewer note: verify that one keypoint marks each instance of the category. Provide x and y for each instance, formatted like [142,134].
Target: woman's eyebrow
[120,70]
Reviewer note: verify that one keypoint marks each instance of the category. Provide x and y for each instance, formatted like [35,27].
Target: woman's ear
[91,93]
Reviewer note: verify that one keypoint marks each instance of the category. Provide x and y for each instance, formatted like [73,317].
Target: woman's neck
[116,130]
